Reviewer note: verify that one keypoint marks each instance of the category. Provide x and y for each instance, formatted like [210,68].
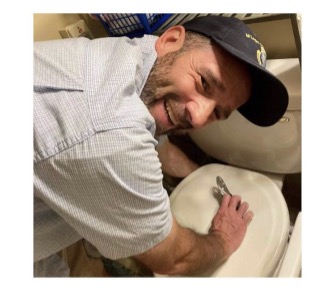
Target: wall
[47,25]
[277,37]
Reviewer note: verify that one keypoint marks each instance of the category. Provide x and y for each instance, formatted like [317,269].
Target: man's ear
[170,41]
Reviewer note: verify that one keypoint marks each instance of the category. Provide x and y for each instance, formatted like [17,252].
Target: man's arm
[180,156]
[174,161]
[185,252]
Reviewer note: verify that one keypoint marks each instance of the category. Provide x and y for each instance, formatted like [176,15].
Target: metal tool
[222,186]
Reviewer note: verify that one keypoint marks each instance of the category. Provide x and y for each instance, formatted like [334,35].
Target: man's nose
[200,111]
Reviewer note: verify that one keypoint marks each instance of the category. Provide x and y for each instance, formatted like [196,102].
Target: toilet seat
[194,206]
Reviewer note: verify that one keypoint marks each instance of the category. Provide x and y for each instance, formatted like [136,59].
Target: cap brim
[268,101]
[269,97]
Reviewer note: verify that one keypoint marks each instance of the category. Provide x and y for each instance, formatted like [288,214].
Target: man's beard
[159,78]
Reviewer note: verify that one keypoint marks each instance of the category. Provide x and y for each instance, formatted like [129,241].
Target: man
[99,106]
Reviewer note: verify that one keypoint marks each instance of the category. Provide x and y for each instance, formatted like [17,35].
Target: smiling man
[99,106]
[188,88]
[193,82]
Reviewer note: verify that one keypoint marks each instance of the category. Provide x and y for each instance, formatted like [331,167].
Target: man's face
[193,89]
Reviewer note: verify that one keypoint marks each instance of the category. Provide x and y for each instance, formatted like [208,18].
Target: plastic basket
[131,25]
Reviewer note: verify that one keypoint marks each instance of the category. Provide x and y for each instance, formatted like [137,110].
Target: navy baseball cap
[269,97]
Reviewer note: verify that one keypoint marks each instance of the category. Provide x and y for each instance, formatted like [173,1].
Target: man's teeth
[171,114]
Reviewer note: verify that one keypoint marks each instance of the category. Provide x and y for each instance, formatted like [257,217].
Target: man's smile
[170,113]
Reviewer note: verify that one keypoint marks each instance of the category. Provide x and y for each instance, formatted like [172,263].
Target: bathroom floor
[83,265]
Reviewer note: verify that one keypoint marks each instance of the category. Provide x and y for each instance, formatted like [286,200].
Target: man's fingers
[248,216]
[243,208]
[235,202]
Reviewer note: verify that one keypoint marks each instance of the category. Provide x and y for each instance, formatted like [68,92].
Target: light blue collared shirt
[96,171]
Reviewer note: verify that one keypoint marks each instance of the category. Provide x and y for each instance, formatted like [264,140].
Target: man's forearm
[203,253]
[184,252]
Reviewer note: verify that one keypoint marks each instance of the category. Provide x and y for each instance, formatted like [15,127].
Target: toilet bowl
[194,206]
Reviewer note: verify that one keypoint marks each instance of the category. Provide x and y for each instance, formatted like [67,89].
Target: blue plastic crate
[131,25]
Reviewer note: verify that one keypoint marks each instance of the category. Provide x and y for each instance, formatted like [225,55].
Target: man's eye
[204,83]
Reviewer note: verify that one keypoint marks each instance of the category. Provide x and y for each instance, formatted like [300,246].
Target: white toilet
[258,159]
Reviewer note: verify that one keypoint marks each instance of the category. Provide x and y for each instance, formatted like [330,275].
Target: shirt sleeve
[109,189]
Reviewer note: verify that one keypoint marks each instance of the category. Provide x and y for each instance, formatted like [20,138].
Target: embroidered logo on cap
[261,56]
[261,53]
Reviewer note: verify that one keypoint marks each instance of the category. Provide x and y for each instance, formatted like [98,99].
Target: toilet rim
[268,230]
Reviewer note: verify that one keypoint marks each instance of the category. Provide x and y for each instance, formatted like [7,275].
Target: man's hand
[230,223]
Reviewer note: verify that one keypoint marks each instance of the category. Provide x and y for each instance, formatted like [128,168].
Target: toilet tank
[274,149]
